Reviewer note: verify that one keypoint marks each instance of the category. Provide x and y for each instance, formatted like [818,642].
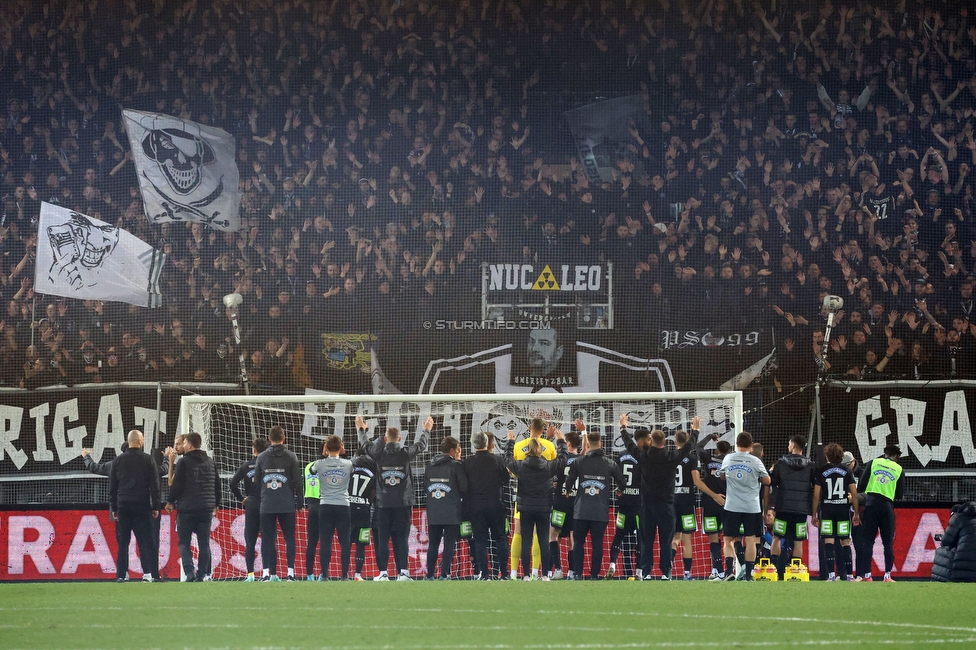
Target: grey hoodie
[280,474]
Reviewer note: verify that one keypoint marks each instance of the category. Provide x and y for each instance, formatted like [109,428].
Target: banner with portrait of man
[545,357]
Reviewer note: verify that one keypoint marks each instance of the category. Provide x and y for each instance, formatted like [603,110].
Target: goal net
[228,424]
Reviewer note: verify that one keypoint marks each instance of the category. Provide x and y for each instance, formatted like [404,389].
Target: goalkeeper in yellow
[536,428]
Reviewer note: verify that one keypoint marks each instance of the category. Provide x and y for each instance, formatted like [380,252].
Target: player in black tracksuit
[685,521]
[591,477]
[712,488]
[535,485]
[362,496]
[394,493]
[250,499]
[487,480]
[280,476]
[445,483]
[562,507]
[628,511]
[657,466]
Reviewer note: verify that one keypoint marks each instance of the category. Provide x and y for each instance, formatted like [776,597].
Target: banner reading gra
[932,421]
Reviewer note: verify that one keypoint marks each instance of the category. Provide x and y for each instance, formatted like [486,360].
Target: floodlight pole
[831,304]
[233,301]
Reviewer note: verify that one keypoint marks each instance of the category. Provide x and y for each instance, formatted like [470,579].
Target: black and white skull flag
[81,257]
[187,171]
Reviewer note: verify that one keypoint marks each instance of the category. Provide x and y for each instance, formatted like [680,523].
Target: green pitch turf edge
[436,615]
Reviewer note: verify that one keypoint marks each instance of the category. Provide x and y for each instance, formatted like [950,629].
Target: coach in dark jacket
[955,560]
[535,484]
[133,494]
[657,469]
[196,493]
[446,482]
[487,479]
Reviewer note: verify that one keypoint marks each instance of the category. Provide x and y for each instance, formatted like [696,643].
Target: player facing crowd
[566,496]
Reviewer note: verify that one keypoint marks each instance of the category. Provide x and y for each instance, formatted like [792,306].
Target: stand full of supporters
[564,488]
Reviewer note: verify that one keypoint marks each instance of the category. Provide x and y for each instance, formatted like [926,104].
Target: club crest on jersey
[334,476]
[439,490]
[592,488]
[883,476]
[275,481]
[393,477]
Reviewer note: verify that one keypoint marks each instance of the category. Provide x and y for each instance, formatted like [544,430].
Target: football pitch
[434,615]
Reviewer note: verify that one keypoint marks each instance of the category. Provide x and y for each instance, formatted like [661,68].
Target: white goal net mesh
[229,424]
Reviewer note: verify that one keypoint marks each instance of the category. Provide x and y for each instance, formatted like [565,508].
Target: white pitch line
[611,646]
[589,613]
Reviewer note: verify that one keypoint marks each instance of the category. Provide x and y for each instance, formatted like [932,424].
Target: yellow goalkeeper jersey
[548,448]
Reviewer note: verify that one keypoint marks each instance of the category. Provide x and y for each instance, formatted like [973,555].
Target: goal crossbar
[256,401]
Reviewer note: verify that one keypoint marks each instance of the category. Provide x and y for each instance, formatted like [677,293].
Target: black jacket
[395,486]
[657,468]
[280,475]
[591,476]
[487,478]
[196,483]
[134,481]
[792,481]
[105,469]
[955,560]
[362,489]
[535,476]
[445,482]
[245,475]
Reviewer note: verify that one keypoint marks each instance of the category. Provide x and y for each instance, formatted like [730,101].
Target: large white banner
[81,257]
[187,171]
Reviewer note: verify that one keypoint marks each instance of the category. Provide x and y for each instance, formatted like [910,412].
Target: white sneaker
[544,578]
[207,578]
[403,577]
[147,578]
[557,574]
[381,578]
[528,578]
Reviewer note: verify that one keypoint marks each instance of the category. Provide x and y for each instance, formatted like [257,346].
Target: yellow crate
[765,571]
[796,572]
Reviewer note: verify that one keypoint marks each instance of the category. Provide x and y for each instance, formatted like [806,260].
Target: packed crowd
[388,148]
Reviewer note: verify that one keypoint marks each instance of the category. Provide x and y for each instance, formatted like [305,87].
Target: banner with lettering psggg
[44,431]
[932,421]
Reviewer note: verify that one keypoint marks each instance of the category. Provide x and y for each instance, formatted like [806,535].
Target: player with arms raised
[562,506]
[628,510]
[685,522]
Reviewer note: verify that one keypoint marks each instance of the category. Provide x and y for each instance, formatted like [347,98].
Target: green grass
[424,615]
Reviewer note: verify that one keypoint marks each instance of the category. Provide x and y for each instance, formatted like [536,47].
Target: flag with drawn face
[187,171]
[81,257]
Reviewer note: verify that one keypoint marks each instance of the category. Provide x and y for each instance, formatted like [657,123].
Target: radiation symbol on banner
[546,281]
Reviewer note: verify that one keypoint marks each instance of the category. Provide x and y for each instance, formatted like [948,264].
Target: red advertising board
[80,545]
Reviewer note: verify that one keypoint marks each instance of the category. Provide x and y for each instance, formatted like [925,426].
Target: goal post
[228,424]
